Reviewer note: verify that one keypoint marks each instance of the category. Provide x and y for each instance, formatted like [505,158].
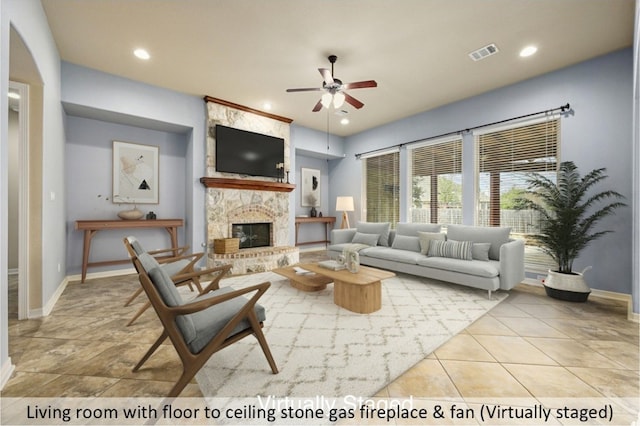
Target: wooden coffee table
[360,292]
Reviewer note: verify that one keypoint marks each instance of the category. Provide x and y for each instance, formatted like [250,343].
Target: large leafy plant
[567,211]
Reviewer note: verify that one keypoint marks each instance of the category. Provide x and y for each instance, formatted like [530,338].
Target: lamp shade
[344,204]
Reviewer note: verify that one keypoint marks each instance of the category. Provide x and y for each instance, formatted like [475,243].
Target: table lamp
[344,205]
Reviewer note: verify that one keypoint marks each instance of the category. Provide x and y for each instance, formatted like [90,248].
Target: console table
[327,220]
[91,228]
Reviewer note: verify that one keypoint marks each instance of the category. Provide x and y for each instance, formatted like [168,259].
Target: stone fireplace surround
[235,199]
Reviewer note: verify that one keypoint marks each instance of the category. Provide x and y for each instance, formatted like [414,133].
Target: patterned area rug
[322,349]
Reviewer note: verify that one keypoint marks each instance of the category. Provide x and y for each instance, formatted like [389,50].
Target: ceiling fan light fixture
[326,100]
[338,100]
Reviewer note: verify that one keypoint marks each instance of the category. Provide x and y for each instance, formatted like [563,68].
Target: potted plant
[568,212]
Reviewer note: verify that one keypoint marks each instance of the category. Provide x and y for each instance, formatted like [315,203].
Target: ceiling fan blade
[326,75]
[360,85]
[307,89]
[318,107]
[352,101]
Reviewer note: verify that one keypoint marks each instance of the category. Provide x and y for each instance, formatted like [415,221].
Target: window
[382,187]
[436,182]
[504,157]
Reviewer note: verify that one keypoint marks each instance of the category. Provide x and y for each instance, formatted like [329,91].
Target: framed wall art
[310,193]
[135,173]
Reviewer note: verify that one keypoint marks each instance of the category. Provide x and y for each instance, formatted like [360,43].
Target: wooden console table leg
[86,249]
[297,228]
[173,234]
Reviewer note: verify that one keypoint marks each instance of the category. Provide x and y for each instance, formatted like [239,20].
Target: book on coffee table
[302,271]
[332,264]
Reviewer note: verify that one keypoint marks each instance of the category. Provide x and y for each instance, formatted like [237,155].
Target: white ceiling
[249,51]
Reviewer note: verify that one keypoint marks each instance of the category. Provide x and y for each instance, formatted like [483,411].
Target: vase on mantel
[131,214]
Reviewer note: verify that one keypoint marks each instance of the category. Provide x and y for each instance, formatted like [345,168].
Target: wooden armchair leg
[196,281]
[133,296]
[146,306]
[257,331]
[151,350]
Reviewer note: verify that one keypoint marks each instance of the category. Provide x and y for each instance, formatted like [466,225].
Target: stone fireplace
[254,209]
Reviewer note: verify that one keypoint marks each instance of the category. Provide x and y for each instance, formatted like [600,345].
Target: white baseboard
[310,249]
[5,372]
[103,274]
[51,303]
[604,294]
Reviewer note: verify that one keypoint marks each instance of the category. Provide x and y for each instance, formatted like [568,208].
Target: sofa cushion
[368,239]
[380,228]
[412,229]
[426,237]
[405,242]
[393,255]
[480,251]
[472,267]
[481,234]
[452,249]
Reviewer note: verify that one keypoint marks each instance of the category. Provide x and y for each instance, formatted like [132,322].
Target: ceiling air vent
[484,52]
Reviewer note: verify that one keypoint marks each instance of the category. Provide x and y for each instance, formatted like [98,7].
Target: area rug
[322,349]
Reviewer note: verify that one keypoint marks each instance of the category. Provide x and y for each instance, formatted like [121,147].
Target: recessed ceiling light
[344,121]
[142,54]
[528,51]
[267,106]
[14,95]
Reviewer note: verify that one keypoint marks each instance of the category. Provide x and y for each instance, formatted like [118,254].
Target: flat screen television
[248,153]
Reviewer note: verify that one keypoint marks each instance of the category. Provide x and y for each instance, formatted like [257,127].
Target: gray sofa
[474,256]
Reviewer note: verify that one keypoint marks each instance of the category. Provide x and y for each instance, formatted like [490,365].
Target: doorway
[18,182]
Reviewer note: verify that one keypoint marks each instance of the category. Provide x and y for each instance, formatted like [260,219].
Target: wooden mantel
[247,184]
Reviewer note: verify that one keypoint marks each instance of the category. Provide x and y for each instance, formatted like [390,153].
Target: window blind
[382,188]
[436,182]
[504,158]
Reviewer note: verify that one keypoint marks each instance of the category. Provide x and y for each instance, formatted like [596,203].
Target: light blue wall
[29,20]
[597,134]
[89,187]
[312,150]
[112,98]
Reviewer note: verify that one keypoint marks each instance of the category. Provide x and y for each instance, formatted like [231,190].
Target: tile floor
[529,346]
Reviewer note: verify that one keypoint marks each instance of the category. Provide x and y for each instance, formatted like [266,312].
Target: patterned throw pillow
[426,237]
[452,249]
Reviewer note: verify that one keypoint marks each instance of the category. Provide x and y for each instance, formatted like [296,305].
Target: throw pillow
[368,239]
[412,229]
[426,237]
[452,249]
[480,251]
[481,234]
[405,242]
[380,228]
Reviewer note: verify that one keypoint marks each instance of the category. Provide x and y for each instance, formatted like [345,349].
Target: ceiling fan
[335,90]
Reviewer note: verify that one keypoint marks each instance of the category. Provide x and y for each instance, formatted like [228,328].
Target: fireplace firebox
[252,234]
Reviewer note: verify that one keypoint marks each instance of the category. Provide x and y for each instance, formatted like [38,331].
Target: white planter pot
[569,287]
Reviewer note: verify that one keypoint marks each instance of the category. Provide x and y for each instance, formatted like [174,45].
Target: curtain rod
[562,109]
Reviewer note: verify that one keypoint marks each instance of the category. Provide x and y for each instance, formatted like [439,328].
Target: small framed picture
[310,194]
[135,173]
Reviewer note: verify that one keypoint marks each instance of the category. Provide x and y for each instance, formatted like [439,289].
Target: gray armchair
[216,319]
